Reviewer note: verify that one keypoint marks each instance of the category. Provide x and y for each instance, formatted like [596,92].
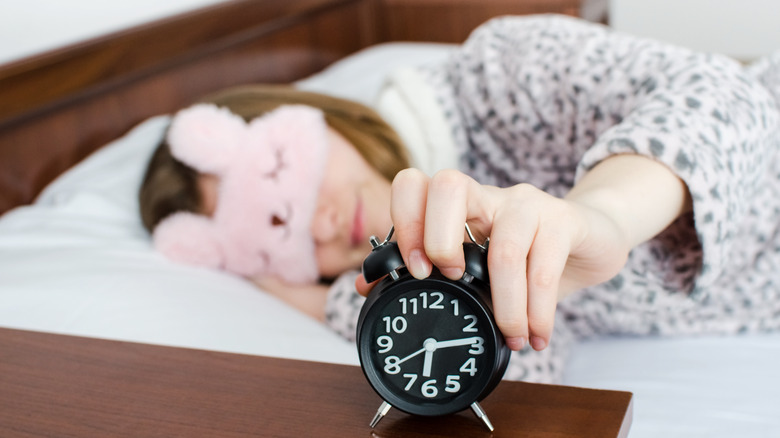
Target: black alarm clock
[429,347]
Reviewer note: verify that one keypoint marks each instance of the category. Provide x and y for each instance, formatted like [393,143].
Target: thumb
[363,287]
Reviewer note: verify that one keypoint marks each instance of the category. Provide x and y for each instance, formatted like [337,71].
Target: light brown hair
[170,186]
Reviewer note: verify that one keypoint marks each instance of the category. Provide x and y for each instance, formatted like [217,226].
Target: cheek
[338,168]
[336,184]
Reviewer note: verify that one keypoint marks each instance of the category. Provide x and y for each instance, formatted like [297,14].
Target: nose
[325,224]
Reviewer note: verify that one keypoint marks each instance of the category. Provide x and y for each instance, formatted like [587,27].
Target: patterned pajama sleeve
[342,307]
[543,99]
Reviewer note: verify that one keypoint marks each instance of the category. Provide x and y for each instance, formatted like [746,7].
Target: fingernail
[538,343]
[452,273]
[515,344]
[418,264]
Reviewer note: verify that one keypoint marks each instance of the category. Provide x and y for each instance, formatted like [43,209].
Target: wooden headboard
[59,106]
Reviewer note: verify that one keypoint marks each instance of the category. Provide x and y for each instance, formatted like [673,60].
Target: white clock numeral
[455,307]
[470,366]
[452,383]
[413,304]
[397,324]
[472,325]
[424,297]
[477,347]
[385,343]
[392,365]
[412,378]
[436,305]
[412,301]
[429,388]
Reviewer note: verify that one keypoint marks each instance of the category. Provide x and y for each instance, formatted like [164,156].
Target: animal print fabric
[543,99]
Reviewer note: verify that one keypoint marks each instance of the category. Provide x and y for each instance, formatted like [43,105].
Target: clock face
[429,348]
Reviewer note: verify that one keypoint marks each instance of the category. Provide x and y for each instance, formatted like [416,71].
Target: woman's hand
[541,247]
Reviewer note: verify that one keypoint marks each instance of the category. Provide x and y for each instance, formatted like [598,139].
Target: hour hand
[429,346]
[427,363]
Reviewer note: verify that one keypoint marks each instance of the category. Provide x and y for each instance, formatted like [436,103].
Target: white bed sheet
[78,262]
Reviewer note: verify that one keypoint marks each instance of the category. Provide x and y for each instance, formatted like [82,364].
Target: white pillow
[78,261]
[359,77]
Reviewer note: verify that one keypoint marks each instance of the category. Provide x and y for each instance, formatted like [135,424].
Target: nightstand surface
[57,385]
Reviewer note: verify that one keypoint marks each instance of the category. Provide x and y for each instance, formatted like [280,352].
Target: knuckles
[507,253]
[542,279]
[449,182]
[409,177]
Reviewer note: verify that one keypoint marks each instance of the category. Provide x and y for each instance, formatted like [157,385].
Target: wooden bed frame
[59,106]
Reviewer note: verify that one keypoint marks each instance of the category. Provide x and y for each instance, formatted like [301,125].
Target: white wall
[745,29]
[29,27]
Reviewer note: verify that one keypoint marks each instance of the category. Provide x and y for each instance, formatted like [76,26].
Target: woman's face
[353,204]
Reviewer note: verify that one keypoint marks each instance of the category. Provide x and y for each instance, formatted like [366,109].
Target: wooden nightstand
[56,385]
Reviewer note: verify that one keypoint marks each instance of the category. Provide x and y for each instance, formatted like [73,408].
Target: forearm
[308,299]
[640,195]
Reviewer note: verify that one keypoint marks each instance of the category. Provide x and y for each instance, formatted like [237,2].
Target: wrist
[600,244]
[599,209]
[641,195]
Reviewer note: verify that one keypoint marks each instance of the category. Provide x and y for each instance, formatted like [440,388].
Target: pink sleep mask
[269,171]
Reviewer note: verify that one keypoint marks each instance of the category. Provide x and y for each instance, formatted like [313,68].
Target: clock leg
[380,413]
[482,415]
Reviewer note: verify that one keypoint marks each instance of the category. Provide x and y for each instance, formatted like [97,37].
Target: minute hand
[410,356]
[457,342]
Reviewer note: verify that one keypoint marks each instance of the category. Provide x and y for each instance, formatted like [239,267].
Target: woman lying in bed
[627,186]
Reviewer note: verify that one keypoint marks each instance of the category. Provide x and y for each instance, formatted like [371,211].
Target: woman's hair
[170,186]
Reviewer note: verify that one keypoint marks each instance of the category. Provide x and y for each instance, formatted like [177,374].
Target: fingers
[449,193]
[529,246]
[362,286]
[528,252]
[507,265]
[546,262]
[429,216]
[407,209]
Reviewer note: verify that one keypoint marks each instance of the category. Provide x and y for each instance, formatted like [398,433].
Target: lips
[356,236]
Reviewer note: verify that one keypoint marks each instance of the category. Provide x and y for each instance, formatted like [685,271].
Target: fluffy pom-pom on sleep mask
[269,172]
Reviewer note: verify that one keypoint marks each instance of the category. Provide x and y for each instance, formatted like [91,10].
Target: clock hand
[411,356]
[457,342]
[429,346]
[427,363]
